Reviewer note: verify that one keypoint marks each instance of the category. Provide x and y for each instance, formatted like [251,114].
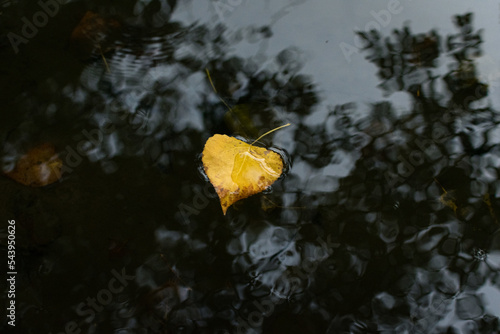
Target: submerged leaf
[39,167]
[238,170]
[239,120]
[94,35]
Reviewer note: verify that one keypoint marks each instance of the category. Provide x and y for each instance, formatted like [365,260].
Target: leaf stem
[215,90]
[265,134]
[268,132]
[104,59]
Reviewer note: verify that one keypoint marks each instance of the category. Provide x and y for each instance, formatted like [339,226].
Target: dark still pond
[137,197]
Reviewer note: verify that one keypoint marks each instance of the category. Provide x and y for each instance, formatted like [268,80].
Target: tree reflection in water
[405,240]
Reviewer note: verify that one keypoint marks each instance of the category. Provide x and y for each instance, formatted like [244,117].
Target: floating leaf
[238,170]
[39,167]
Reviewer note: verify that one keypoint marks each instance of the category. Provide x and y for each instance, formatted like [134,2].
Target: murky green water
[387,220]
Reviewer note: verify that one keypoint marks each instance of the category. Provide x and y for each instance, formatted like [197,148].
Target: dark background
[387,220]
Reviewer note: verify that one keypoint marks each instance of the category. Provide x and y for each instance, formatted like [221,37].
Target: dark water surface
[387,221]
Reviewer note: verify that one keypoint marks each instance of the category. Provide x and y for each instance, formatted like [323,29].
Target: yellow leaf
[238,170]
[39,167]
[447,199]
[487,200]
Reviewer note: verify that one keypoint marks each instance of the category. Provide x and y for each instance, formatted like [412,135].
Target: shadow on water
[132,240]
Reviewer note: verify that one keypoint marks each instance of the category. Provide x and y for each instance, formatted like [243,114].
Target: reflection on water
[388,221]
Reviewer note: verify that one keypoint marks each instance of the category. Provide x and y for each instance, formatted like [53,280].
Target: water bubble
[479,254]
[201,168]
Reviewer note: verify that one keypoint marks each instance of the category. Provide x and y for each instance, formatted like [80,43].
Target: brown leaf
[94,34]
[39,167]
